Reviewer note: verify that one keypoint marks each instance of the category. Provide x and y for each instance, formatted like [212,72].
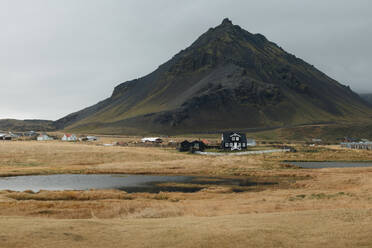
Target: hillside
[227,79]
[26,125]
[367,97]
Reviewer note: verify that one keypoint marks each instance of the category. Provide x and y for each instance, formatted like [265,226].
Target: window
[233,138]
[231,144]
[237,138]
[243,144]
[226,144]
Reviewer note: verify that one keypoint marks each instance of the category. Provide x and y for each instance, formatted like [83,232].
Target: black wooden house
[234,141]
[195,145]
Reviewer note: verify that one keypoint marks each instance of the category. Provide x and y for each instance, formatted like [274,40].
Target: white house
[69,137]
[6,136]
[251,142]
[44,137]
[92,138]
[152,140]
[88,138]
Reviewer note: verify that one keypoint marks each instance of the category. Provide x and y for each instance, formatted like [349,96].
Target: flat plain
[304,208]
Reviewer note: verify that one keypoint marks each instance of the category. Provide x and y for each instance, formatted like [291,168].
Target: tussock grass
[69,195]
[278,216]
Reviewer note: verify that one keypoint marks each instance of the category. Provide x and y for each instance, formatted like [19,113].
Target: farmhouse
[88,138]
[31,134]
[195,145]
[4,136]
[235,141]
[198,145]
[69,137]
[44,137]
[185,146]
[152,140]
[358,145]
[251,142]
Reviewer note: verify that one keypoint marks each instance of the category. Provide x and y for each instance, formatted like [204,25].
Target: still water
[128,183]
[319,165]
[85,182]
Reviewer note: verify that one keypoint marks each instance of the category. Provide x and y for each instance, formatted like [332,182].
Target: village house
[88,138]
[184,146]
[235,141]
[152,140]
[69,137]
[31,134]
[43,137]
[358,145]
[195,145]
[5,136]
[251,142]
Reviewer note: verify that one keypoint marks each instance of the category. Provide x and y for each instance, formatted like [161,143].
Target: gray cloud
[57,57]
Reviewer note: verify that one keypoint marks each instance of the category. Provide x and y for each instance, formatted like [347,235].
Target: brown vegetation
[298,212]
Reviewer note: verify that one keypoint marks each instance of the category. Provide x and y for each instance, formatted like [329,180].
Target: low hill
[228,78]
[367,97]
[26,125]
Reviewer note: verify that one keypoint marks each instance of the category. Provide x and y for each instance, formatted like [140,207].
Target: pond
[320,165]
[128,183]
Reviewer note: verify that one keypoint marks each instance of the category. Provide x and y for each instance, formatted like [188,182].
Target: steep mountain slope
[227,79]
[367,97]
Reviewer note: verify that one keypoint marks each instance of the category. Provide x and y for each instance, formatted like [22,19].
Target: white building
[44,137]
[92,138]
[152,140]
[88,138]
[69,137]
[251,142]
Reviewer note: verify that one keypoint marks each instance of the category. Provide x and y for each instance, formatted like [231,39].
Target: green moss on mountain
[26,125]
[227,79]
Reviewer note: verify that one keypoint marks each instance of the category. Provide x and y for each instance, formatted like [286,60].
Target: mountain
[367,97]
[227,79]
[26,125]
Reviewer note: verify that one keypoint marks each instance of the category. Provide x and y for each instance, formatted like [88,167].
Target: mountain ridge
[367,97]
[26,125]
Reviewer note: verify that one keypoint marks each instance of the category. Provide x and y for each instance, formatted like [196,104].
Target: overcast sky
[59,56]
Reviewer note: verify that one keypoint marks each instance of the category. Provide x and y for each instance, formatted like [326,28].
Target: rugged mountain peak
[227,79]
[226,22]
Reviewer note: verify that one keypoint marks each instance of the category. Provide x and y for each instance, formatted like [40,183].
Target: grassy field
[306,208]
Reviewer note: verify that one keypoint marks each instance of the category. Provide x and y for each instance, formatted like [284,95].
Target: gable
[235,135]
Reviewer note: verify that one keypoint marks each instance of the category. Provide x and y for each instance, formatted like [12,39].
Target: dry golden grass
[309,208]
[319,228]
[57,157]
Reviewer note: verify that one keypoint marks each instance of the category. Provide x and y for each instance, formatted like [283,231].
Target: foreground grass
[308,208]
[320,228]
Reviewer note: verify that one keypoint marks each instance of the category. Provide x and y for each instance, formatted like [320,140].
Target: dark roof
[227,136]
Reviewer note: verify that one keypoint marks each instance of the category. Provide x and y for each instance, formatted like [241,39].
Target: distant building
[43,137]
[5,136]
[92,138]
[69,137]
[88,138]
[185,146]
[358,145]
[31,134]
[198,145]
[235,141]
[152,140]
[251,142]
[195,145]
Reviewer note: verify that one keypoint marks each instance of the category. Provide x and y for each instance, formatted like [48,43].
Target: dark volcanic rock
[228,78]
